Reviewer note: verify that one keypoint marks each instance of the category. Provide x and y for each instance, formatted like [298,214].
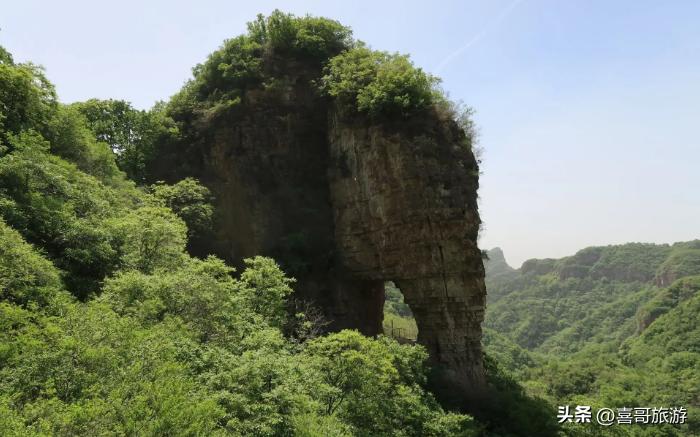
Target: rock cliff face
[345,204]
[404,207]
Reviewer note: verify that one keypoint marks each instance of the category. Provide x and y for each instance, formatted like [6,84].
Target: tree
[264,288]
[375,386]
[129,132]
[27,99]
[93,372]
[190,200]
[378,83]
[311,37]
[71,139]
[62,211]
[25,276]
[5,56]
[151,238]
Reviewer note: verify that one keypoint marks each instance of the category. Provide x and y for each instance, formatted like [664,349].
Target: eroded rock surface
[345,204]
[404,206]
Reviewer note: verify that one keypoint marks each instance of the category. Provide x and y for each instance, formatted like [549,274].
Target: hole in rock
[399,322]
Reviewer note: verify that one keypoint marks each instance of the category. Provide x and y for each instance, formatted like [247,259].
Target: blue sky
[587,110]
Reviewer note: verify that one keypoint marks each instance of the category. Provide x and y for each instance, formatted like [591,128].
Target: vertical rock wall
[346,204]
[404,206]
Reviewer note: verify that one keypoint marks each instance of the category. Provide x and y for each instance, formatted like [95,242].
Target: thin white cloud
[476,38]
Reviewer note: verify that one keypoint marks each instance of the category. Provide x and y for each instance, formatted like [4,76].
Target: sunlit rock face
[404,208]
[345,203]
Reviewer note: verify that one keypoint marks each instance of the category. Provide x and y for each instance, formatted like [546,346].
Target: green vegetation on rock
[378,83]
[109,327]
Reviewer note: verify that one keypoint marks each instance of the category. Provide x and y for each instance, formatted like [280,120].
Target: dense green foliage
[26,278]
[64,210]
[378,83]
[604,328]
[130,133]
[109,327]
[683,260]
[189,349]
[190,200]
[28,99]
[256,61]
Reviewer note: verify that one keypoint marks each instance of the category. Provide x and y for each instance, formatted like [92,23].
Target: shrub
[190,200]
[25,276]
[378,83]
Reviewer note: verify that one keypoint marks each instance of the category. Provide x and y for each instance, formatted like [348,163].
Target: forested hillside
[614,326]
[109,326]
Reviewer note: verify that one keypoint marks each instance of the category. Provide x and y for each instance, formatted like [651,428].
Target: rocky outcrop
[404,207]
[496,266]
[538,266]
[345,204]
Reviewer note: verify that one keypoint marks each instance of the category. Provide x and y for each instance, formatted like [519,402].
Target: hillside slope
[594,294]
[605,328]
[109,327]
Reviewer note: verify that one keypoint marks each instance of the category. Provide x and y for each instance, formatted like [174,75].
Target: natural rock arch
[346,202]
[404,204]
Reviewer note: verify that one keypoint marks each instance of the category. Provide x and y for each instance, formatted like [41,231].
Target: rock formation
[404,207]
[346,202]
[496,266]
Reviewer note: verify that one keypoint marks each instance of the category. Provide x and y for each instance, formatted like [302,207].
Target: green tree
[27,99]
[129,132]
[62,211]
[265,288]
[378,83]
[190,200]
[376,387]
[25,276]
[151,238]
[71,139]
[93,372]
[201,293]
[310,37]
[5,56]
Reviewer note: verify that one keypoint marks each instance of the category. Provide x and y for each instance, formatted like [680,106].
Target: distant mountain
[498,273]
[496,265]
[549,302]
[610,326]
